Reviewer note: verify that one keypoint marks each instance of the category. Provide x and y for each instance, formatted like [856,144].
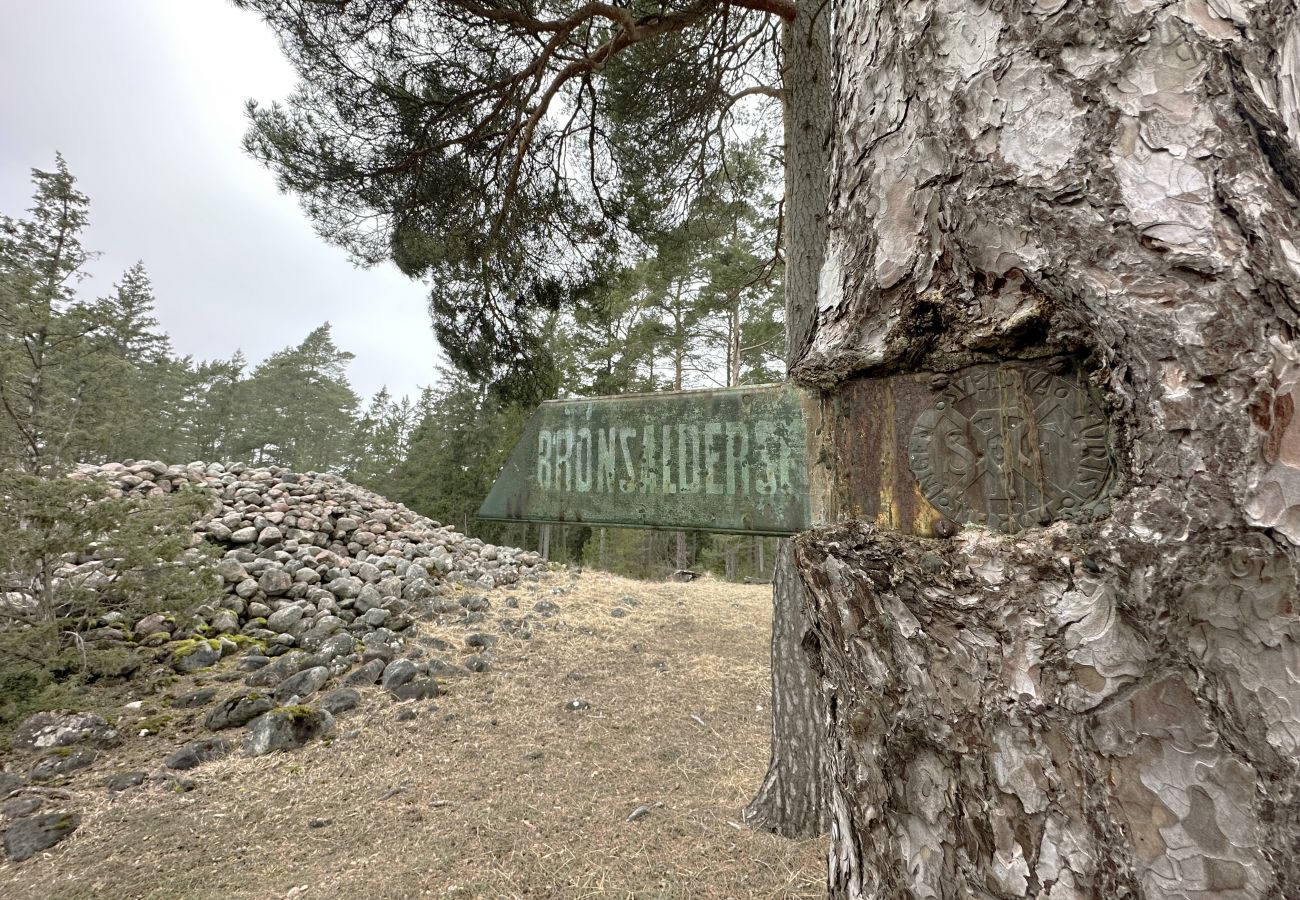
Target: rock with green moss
[192,655]
[246,643]
[32,834]
[225,621]
[152,724]
[286,728]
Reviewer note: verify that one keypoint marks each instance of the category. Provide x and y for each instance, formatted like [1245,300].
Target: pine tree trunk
[792,800]
[1105,707]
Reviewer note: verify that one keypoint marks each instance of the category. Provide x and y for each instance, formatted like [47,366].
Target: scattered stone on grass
[340,700]
[196,753]
[286,728]
[238,710]
[59,764]
[21,805]
[48,730]
[194,699]
[32,834]
[124,781]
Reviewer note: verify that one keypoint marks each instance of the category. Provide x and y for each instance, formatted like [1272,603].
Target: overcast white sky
[145,100]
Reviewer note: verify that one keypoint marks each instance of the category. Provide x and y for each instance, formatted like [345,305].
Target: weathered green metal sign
[733,460]
[1007,447]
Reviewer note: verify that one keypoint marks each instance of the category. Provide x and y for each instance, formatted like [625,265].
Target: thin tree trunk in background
[792,798]
[683,558]
[733,346]
[1093,709]
[602,547]
[544,541]
[761,564]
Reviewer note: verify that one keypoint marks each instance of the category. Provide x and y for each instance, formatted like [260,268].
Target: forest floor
[495,790]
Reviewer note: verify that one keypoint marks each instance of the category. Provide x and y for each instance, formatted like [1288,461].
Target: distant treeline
[95,378]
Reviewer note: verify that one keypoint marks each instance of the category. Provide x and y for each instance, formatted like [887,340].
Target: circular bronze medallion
[1010,449]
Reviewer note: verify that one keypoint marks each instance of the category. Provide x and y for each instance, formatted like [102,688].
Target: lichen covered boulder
[50,730]
[192,655]
[286,728]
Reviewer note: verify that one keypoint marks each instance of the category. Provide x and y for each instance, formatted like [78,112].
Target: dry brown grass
[450,804]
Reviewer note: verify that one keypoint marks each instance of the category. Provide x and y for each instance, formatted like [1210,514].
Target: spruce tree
[45,332]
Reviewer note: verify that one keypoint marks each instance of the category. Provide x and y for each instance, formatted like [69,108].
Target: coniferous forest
[90,376]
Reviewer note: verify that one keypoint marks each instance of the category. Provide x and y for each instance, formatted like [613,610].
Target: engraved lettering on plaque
[1010,449]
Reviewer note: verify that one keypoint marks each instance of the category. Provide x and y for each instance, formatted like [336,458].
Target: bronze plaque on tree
[1007,446]
[1011,449]
[732,460]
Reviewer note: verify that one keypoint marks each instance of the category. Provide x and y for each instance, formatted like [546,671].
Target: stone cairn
[320,581]
[307,557]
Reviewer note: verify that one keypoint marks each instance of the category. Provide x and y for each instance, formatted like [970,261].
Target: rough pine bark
[1089,709]
[792,800]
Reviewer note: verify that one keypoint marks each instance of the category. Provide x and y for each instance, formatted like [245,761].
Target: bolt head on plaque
[1011,449]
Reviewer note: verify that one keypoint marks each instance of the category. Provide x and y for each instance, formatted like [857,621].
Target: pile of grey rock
[318,588]
[306,557]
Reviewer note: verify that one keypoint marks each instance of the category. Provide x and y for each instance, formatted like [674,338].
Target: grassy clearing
[498,792]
